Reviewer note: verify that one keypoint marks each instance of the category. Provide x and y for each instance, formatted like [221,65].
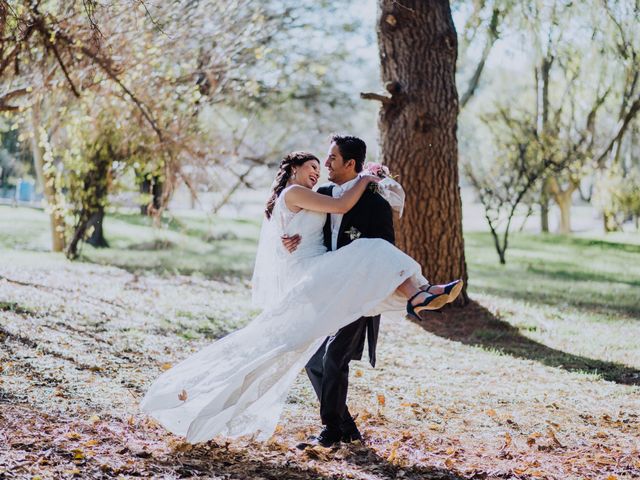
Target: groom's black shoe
[352,435]
[350,432]
[327,438]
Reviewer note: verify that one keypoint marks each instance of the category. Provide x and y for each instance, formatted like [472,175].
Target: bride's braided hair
[294,159]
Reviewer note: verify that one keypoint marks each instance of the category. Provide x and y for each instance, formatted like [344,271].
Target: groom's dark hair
[351,147]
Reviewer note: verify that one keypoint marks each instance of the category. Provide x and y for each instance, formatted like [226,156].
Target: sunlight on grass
[191,244]
[555,270]
[578,295]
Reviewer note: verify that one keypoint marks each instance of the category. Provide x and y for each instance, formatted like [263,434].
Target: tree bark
[418,51]
[97,238]
[564,203]
[91,210]
[563,199]
[542,106]
[151,187]
[46,183]
[544,210]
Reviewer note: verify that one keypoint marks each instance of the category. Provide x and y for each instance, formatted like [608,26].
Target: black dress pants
[328,371]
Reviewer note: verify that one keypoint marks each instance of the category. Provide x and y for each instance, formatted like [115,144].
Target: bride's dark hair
[294,159]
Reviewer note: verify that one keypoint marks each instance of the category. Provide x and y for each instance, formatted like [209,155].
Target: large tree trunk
[46,181]
[418,51]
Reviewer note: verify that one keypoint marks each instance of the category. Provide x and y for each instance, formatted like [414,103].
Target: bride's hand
[371,178]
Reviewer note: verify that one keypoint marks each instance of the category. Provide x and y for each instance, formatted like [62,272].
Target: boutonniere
[353,233]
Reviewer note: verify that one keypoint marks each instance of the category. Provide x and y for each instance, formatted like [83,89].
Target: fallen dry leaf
[552,435]
[531,439]
[77,454]
[507,441]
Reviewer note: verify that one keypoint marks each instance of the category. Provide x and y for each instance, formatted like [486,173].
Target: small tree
[510,179]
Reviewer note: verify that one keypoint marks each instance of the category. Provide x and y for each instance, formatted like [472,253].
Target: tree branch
[376,96]
[475,78]
[232,190]
[633,111]
[4,107]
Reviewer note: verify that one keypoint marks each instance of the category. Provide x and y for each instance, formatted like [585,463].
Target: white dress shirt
[336,218]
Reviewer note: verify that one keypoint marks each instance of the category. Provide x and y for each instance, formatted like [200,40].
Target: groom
[371,217]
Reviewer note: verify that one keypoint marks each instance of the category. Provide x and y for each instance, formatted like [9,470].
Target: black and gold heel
[432,302]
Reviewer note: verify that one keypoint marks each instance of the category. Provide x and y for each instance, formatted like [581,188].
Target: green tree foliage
[177,87]
[574,111]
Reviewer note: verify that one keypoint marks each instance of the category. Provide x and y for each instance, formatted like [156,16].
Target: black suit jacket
[372,217]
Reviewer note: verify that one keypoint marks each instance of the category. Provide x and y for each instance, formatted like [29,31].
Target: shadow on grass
[246,464]
[626,306]
[121,452]
[215,264]
[552,239]
[371,463]
[477,326]
[578,276]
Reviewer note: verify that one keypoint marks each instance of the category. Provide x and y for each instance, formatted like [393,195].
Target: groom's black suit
[328,369]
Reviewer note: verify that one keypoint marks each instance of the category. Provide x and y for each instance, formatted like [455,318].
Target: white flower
[353,233]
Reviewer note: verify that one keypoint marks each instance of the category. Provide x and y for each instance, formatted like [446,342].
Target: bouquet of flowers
[377,169]
[388,187]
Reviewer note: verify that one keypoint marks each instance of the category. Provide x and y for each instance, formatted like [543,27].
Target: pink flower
[376,169]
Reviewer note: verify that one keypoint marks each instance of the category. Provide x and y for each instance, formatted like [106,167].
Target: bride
[238,384]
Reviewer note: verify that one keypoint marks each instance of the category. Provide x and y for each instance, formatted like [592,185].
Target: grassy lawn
[574,292]
[191,244]
[593,273]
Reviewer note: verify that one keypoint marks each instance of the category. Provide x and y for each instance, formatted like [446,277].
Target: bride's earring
[294,175]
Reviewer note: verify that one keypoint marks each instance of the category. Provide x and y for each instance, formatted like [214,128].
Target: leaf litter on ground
[82,342]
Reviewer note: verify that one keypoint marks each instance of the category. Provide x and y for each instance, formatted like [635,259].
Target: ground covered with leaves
[510,387]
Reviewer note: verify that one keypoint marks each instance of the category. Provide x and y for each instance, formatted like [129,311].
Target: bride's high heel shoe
[451,289]
[432,302]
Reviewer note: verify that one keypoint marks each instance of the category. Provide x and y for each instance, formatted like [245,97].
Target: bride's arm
[299,197]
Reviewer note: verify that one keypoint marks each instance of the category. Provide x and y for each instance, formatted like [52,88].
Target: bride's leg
[410,288]
[418,299]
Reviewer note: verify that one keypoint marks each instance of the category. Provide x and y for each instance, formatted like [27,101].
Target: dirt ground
[81,342]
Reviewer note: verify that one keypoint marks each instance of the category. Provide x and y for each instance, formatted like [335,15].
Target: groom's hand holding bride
[291,242]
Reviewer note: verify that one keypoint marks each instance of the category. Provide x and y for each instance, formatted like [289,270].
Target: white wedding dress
[238,384]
